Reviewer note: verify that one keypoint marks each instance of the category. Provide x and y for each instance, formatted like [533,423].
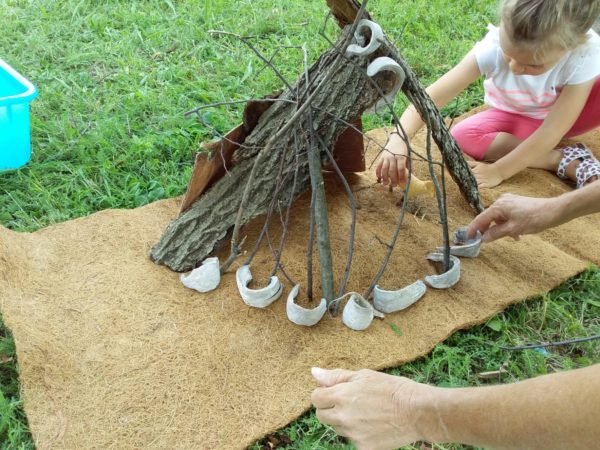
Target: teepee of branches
[278,151]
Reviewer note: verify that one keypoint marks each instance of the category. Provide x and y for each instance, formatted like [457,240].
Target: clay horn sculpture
[204,278]
[468,248]
[446,279]
[392,301]
[361,49]
[386,64]
[257,298]
[302,316]
[358,313]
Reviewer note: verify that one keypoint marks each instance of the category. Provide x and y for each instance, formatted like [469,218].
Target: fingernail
[317,372]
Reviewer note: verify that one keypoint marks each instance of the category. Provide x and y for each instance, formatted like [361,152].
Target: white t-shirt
[533,95]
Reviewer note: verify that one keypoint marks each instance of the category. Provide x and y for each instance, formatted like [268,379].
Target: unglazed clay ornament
[303,316]
[204,278]
[257,298]
[392,301]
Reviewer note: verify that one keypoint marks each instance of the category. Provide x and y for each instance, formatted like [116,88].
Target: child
[542,70]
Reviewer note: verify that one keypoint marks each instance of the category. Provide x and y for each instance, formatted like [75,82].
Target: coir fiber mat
[115,353]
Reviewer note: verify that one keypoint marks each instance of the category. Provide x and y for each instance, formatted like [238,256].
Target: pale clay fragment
[383,64]
[374,43]
[392,301]
[257,298]
[446,279]
[204,278]
[464,247]
[303,316]
[358,313]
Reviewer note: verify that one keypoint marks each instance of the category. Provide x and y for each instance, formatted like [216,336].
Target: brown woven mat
[115,353]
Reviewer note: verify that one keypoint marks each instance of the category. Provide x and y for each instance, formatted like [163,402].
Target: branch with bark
[242,177]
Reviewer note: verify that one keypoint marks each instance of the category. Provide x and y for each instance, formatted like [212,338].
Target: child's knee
[469,140]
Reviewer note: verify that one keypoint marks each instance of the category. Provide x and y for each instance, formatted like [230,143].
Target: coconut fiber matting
[115,353]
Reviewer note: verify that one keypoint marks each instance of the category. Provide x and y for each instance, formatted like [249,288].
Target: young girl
[542,83]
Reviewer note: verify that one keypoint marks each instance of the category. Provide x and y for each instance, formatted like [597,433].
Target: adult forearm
[550,412]
[576,203]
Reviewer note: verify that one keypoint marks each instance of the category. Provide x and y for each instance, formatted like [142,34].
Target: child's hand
[487,175]
[391,163]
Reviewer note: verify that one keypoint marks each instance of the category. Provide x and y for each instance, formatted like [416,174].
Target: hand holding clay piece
[468,248]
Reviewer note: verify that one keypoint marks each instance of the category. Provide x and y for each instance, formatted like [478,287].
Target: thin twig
[245,40]
[441,201]
[235,102]
[403,209]
[274,252]
[269,214]
[274,100]
[321,216]
[398,125]
[550,344]
[352,225]
[235,250]
[287,215]
[309,250]
[225,138]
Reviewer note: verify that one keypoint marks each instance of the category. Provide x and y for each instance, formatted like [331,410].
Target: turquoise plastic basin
[16,92]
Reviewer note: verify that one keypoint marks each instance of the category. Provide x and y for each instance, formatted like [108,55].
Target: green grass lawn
[108,132]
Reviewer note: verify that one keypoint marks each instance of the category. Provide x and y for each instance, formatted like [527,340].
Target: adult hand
[374,410]
[391,165]
[487,175]
[513,215]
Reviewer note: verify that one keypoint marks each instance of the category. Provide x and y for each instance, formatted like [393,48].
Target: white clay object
[358,313]
[386,64]
[446,279]
[257,298]
[204,278]
[303,316]
[374,43]
[464,247]
[392,301]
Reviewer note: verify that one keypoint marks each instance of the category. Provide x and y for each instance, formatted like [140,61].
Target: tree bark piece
[345,11]
[200,229]
[194,235]
[321,221]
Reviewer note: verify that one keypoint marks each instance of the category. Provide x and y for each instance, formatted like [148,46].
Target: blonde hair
[541,25]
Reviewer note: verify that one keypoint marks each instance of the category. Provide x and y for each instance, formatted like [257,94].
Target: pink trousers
[475,134]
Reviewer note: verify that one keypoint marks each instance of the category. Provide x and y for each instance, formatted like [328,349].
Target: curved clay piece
[383,64]
[204,278]
[257,298]
[374,42]
[460,237]
[468,248]
[358,313]
[392,301]
[446,279]
[418,187]
[302,316]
